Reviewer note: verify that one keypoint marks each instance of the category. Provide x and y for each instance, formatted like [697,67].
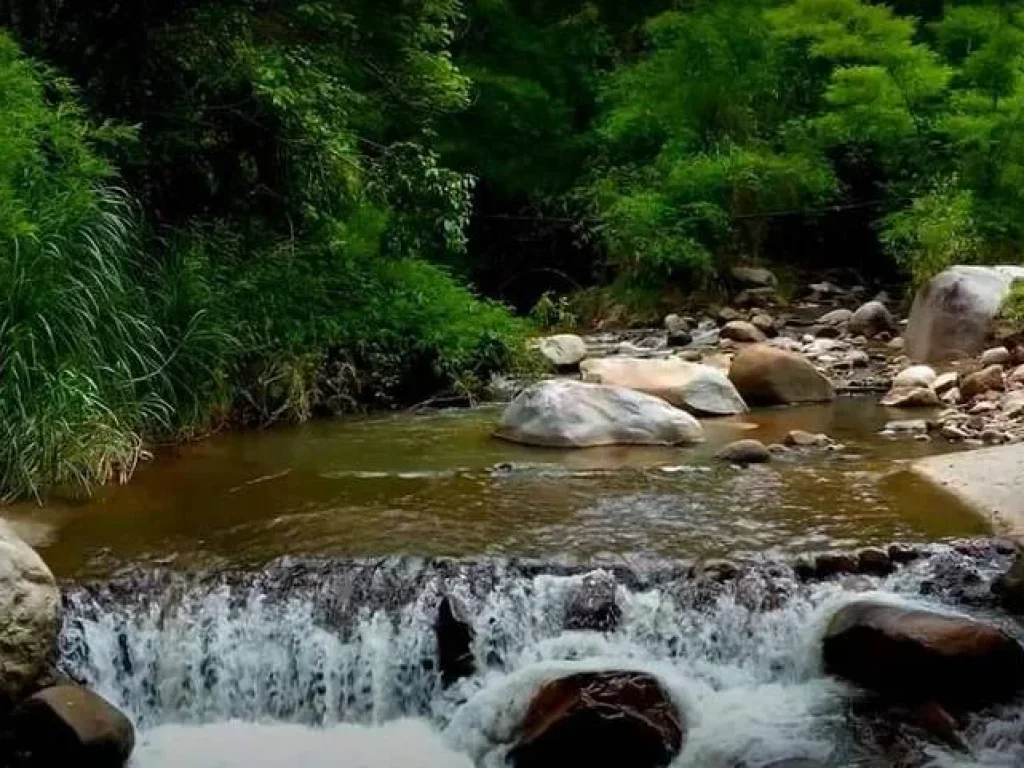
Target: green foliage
[1013,307]
[78,352]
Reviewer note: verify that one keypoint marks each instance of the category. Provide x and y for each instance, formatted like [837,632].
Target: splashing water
[324,663]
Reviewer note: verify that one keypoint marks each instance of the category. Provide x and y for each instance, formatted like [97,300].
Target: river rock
[742,331]
[29,616]
[700,389]
[455,634]
[1010,586]
[745,452]
[985,380]
[600,719]
[753,277]
[797,438]
[837,318]
[995,356]
[872,319]
[953,313]
[765,323]
[915,376]
[766,375]
[72,726]
[564,351]
[728,315]
[945,382]
[1015,379]
[593,605]
[906,427]
[916,656]
[911,397]
[572,414]
[757,297]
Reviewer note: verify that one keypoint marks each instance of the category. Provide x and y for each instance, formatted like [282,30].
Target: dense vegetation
[247,211]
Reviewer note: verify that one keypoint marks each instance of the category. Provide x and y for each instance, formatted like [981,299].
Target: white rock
[995,356]
[564,350]
[29,615]
[572,414]
[915,376]
[701,389]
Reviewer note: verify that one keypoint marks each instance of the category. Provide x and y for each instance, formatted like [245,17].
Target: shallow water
[439,484]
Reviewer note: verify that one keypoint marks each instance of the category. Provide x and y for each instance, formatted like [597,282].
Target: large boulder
[871,319]
[572,414]
[71,726]
[953,313]
[564,351]
[915,656]
[29,616]
[600,720]
[700,389]
[766,375]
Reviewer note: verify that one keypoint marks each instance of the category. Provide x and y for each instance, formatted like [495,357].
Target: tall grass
[78,352]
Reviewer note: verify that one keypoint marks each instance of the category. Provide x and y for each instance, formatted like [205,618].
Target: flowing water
[325,656]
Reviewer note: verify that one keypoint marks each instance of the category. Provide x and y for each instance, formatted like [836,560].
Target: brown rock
[742,331]
[600,719]
[745,452]
[918,656]
[69,725]
[911,397]
[985,380]
[766,375]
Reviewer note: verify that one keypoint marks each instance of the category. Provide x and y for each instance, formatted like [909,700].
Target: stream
[270,599]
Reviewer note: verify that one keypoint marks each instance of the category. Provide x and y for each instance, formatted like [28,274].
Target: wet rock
[911,397]
[742,331]
[69,725]
[995,356]
[455,634]
[29,616]
[858,359]
[700,389]
[679,338]
[902,553]
[600,719]
[745,452]
[720,570]
[766,375]
[918,656]
[728,315]
[1009,587]
[676,324]
[754,277]
[564,351]
[874,562]
[836,318]
[872,319]
[982,381]
[764,323]
[829,564]
[757,297]
[945,382]
[570,414]
[906,427]
[915,376]
[797,438]
[953,313]
[593,606]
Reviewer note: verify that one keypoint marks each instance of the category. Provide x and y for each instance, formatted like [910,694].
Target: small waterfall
[211,660]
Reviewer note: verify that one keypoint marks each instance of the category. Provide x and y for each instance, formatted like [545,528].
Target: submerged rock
[571,414]
[953,313]
[745,452]
[593,605]
[29,616]
[69,725]
[564,351]
[701,389]
[766,375]
[917,656]
[600,720]
[455,634]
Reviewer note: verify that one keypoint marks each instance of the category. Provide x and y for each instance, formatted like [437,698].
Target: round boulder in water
[600,720]
[766,375]
[572,414]
[745,452]
[917,656]
[69,725]
[29,615]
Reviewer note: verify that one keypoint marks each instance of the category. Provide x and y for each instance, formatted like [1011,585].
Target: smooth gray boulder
[564,350]
[700,389]
[953,312]
[29,616]
[755,277]
[573,414]
[871,319]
